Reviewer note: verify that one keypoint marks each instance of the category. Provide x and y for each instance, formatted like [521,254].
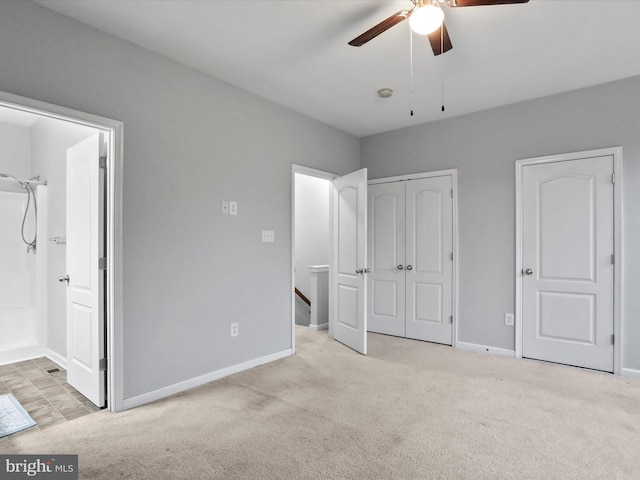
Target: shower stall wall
[22,273]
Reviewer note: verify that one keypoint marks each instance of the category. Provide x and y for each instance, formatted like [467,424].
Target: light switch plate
[508,319]
[268,236]
[233,208]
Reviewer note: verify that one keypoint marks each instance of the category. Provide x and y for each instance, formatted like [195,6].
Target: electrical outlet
[224,207]
[233,208]
[508,319]
[268,236]
[234,330]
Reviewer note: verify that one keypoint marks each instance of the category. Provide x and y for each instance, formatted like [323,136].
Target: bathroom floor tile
[80,413]
[24,364]
[27,394]
[15,381]
[5,369]
[35,404]
[44,382]
[40,385]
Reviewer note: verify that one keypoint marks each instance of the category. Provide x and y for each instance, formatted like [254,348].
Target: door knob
[528,271]
[64,279]
[366,270]
[359,270]
[409,267]
[400,267]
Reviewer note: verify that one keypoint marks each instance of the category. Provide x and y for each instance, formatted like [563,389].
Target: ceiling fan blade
[383,26]
[440,43]
[477,3]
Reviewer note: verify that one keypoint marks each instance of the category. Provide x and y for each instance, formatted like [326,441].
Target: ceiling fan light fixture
[426,19]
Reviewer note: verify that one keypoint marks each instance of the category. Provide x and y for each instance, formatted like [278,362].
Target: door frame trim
[113,217]
[453,172]
[312,172]
[616,153]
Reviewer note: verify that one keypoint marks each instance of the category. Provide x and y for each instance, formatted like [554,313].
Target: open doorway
[311,248]
[34,321]
[345,302]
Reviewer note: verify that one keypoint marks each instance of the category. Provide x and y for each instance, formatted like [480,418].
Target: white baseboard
[473,347]
[21,353]
[56,358]
[201,380]
[631,373]
[322,326]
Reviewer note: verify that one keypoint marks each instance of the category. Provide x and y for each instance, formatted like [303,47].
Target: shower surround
[23,288]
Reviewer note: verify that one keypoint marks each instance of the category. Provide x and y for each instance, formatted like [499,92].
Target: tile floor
[41,387]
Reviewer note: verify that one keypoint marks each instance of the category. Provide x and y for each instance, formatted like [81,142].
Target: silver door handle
[64,279]
[367,270]
[359,271]
[409,267]
[528,271]
[400,267]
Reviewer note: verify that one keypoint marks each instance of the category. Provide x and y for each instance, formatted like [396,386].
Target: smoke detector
[385,92]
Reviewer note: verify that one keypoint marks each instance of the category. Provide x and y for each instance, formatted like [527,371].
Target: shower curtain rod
[4,176]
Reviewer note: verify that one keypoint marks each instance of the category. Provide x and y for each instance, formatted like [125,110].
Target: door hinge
[103,161]
[104,364]
[102,263]
[452,256]
[450,318]
[613,339]
[452,193]
[613,259]
[613,177]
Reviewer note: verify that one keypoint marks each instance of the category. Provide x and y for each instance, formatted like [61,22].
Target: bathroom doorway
[34,313]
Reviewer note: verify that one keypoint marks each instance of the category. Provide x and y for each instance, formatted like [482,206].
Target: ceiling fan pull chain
[442,60]
[411,62]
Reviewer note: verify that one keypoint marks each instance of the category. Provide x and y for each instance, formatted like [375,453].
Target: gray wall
[49,142]
[190,141]
[484,147]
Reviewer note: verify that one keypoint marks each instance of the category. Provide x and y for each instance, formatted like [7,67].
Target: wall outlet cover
[268,236]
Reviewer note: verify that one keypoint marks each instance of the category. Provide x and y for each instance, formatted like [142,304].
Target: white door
[568,273]
[348,263]
[85,292]
[429,259]
[386,259]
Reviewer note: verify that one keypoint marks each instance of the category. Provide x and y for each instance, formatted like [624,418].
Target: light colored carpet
[409,410]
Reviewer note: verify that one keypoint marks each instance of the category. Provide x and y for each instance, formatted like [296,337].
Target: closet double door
[411,258]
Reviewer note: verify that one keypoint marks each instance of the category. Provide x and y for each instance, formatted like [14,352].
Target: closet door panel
[429,269]
[386,258]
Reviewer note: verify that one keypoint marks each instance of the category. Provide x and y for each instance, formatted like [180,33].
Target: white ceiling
[295,52]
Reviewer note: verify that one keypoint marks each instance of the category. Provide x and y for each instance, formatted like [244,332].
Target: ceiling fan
[426,18]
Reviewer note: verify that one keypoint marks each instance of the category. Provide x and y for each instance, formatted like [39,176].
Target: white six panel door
[348,285]
[568,242]
[386,259]
[429,259]
[85,294]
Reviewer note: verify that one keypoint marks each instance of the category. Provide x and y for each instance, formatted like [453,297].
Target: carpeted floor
[408,410]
